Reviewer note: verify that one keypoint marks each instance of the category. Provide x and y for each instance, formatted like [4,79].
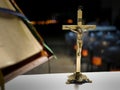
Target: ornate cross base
[78,78]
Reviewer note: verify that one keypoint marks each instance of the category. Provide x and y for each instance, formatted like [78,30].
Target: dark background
[37,10]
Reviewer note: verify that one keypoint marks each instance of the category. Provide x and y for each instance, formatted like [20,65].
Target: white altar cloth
[57,81]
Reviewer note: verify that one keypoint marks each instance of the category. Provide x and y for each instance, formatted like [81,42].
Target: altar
[57,81]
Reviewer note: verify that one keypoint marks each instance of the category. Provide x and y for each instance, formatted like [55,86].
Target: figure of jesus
[78,77]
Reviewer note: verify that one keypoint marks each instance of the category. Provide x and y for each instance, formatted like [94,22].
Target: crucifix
[79,29]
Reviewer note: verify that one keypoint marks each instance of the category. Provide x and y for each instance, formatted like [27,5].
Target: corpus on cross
[79,29]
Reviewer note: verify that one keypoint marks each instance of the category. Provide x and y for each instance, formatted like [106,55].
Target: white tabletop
[57,81]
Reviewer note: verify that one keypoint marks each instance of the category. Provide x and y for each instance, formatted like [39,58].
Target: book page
[16,41]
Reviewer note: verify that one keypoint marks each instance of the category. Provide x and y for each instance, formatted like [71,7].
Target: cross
[79,29]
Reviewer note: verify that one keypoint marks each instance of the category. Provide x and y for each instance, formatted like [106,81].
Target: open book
[20,51]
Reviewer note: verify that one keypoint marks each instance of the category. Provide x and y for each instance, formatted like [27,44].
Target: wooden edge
[26,65]
[25,68]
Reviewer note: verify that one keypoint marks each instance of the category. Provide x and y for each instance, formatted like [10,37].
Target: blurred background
[101,47]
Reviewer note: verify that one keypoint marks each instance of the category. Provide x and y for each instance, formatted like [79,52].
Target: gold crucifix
[77,77]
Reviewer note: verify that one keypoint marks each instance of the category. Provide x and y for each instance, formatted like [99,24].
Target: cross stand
[78,77]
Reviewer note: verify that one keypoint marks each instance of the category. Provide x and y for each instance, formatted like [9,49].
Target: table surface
[57,81]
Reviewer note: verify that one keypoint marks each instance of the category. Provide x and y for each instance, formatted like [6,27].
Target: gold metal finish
[77,77]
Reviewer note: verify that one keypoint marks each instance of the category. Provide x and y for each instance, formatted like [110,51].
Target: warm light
[54,21]
[75,47]
[44,22]
[69,21]
[84,52]
[48,22]
[41,22]
[33,22]
[97,61]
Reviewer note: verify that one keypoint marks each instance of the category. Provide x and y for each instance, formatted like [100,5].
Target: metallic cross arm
[79,17]
[68,27]
[88,27]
